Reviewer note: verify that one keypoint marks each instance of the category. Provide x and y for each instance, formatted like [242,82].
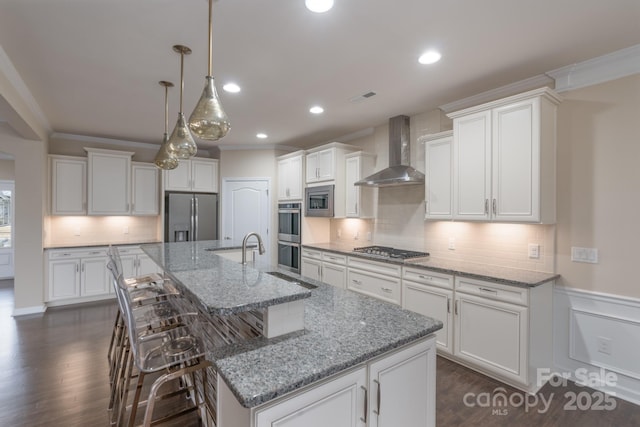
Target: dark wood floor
[53,372]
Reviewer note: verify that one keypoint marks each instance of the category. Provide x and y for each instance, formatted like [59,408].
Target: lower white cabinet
[73,274]
[377,279]
[311,264]
[136,263]
[393,390]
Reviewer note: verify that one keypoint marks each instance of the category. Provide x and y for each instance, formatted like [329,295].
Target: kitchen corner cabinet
[395,389]
[438,186]
[108,181]
[431,294]
[504,159]
[145,189]
[68,185]
[290,176]
[196,174]
[358,200]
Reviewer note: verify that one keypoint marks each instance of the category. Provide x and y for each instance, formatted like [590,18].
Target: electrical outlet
[369,236]
[534,251]
[339,233]
[76,231]
[356,235]
[452,243]
[605,345]
[588,255]
[125,229]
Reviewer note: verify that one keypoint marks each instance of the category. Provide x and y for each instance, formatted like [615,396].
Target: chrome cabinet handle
[77,268]
[377,397]
[387,290]
[366,404]
[493,291]
[455,308]
[486,206]
[357,282]
[494,206]
[448,305]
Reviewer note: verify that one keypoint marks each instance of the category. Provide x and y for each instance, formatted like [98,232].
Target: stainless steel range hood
[399,172]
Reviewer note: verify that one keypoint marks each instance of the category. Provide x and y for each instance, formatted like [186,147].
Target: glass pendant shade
[181,143]
[208,120]
[164,159]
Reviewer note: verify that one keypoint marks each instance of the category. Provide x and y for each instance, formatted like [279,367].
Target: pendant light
[208,120]
[181,143]
[164,159]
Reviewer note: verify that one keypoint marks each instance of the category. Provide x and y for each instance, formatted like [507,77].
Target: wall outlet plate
[534,251]
[452,243]
[588,255]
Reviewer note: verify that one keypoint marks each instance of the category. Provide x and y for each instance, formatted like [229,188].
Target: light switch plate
[534,251]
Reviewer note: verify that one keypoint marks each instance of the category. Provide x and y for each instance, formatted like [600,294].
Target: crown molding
[615,65]
[238,147]
[497,93]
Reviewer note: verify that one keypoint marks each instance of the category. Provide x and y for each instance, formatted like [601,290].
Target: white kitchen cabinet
[377,279]
[358,200]
[431,294]
[108,181]
[392,390]
[196,174]
[68,185]
[290,176]
[136,263]
[75,274]
[504,331]
[334,269]
[504,159]
[145,192]
[311,264]
[321,165]
[438,186]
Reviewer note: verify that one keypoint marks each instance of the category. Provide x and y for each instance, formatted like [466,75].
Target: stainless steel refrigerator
[190,216]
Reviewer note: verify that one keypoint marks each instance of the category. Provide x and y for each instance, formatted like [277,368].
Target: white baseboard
[597,336]
[39,309]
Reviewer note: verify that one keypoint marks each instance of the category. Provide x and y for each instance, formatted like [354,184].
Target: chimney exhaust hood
[399,172]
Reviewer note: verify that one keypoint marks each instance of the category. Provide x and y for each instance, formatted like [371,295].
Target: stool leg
[136,399]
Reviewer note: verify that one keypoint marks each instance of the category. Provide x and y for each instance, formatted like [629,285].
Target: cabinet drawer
[311,253]
[75,253]
[130,250]
[375,267]
[385,288]
[496,291]
[334,258]
[427,277]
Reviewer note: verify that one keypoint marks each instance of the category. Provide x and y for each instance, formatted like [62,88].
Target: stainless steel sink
[293,280]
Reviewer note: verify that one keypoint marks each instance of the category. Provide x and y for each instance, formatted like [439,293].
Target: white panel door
[94,279]
[6,229]
[204,175]
[145,193]
[246,208]
[438,183]
[109,183]
[352,195]
[178,179]
[64,279]
[68,186]
[433,302]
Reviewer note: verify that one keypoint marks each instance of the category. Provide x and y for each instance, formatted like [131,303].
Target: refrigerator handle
[191,224]
[195,218]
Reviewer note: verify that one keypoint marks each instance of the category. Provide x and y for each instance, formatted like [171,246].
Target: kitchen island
[355,361]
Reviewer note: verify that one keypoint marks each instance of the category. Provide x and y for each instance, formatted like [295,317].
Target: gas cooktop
[389,252]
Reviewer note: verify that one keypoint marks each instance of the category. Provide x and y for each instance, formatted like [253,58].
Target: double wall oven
[289,226]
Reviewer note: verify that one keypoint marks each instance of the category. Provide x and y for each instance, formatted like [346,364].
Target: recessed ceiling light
[316,110]
[430,57]
[261,135]
[318,6]
[231,87]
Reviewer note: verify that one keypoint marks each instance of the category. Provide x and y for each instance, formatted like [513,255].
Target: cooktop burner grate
[389,252]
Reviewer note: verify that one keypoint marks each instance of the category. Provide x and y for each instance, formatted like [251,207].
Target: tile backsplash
[89,230]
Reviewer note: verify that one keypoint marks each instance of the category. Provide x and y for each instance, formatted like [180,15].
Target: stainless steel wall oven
[289,236]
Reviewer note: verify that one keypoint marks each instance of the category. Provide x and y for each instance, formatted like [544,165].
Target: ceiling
[94,65]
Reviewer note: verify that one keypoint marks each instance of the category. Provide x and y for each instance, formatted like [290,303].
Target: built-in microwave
[319,201]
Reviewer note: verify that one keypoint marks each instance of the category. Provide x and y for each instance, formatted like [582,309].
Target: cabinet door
[492,335]
[516,162]
[283,179]
[335,275]
[204,175]
[352,191]
[68,186]
[109,183]
[129,265]
[326,164]
[433,302]
[64,279]
[178,179]
[472,166]
[94,279]
[294,178]
[311,268]
[337,403]
[402,388]
[145,193]
[312,167]
[146,265]
[438,178]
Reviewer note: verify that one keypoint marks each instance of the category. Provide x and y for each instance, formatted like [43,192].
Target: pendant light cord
[166,109]
[211,37]
[181,77]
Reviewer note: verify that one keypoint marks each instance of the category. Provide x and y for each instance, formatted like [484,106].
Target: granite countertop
[342,329]
[503,275]
[95,244]
[221,286]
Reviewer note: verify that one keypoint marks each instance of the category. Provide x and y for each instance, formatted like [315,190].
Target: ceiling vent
[363,97]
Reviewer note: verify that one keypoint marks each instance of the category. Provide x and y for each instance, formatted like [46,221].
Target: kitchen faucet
[244,246]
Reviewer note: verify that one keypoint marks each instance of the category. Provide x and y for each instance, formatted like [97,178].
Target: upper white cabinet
[290,168]
[321,165]
[109,181]
[196,174]
[438,188]
[68,185]
[358,200]
[504,159]
[144,189]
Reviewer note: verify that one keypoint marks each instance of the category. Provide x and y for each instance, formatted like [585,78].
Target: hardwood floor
[54,373]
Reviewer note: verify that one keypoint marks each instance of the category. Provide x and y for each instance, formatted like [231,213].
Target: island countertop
[220,286]
[342,329]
